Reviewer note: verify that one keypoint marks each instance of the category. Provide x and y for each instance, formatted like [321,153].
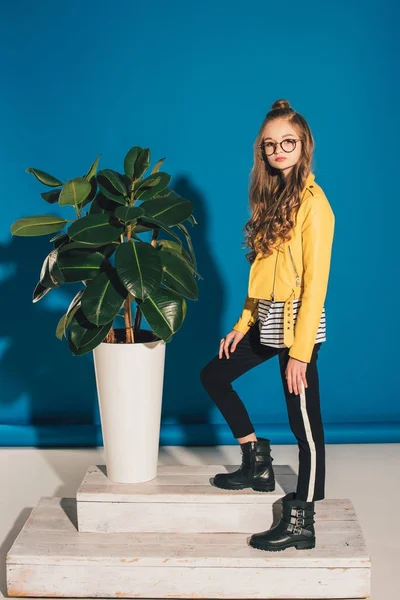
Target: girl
[290,233]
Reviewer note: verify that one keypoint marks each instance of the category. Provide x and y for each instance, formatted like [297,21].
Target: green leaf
[148,182]
[93,168]
[192,220]
[81,264]
[149,221]
[84,336]
[142,228]
[69,245]
[111,196]
[55,273]
[108,249]
[170,211]
[130,160]
[39,292]
[60,327]
[37,225]
[67,317]
[59,239]
[186,258]
[178,276]
[92,194]
[138,267]
[44,177]
[157,166]
[127,182]
[128,213]
[112,182]
[95,229]
[164,311]
[52,196]
[189,243]
[171,246]
[103,297]
[45,273]
[151,185]
[105,250]
[50,274]
[75,191]
[167,193]
[103,205]
[142,162]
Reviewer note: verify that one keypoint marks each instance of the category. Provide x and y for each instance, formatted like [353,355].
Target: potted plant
[101,249]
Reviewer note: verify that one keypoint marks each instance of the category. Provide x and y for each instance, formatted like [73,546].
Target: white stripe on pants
[310,440]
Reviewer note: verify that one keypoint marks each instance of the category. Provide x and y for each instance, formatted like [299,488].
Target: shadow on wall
[197,341]
[42,383]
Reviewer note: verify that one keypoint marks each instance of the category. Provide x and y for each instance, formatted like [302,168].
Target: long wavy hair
[275,200]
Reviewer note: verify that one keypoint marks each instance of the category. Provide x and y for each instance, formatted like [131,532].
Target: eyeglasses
[287,145]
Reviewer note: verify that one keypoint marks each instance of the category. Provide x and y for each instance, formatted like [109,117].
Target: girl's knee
[209,375]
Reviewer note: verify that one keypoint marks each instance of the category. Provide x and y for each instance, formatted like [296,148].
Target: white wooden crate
[50,557]
[181,498]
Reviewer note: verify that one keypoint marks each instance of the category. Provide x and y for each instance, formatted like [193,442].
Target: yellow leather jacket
[297,268]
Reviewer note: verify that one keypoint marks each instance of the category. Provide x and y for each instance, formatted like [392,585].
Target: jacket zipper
[294,266]
[273,285]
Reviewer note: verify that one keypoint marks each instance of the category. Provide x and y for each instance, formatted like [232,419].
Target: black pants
[303,409]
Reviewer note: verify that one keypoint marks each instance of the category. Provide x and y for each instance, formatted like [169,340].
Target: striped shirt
[271,322]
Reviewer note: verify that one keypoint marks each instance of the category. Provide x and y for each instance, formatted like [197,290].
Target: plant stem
[129,333]
[130,339]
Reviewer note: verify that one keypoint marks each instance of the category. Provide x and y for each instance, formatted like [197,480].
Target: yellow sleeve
[317,239]
[249,315]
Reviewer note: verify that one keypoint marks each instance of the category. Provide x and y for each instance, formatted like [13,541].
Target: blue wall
[193,81]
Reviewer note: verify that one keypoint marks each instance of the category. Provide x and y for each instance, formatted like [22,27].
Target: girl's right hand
[234,337]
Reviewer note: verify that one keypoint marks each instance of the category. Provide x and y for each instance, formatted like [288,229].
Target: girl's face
[280,130]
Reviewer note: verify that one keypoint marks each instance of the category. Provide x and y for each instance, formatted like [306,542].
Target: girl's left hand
[296,375]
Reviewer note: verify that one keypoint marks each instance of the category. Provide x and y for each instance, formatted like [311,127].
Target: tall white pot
[129,379]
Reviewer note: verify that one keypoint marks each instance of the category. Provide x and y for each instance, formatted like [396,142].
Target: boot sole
[257,488]
[307,545]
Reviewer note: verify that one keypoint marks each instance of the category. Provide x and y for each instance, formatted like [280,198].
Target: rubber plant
[101,249]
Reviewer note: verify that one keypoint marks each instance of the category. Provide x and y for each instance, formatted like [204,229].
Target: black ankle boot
[255,472]
[295,528]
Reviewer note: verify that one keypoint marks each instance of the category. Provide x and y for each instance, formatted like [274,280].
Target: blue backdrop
[193,81]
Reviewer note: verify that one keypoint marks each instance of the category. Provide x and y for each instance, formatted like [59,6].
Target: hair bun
[281,104]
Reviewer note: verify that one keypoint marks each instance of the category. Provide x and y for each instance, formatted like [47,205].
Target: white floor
[368,474]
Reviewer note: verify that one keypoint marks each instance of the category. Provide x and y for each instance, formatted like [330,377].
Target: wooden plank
[180,582]
[181,500]
[192,518]
[54,539]
[178,483]
[51,558]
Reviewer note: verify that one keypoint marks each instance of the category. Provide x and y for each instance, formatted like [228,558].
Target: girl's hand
[296,375]
[234,335]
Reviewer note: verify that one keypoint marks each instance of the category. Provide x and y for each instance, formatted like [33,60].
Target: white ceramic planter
[129,379]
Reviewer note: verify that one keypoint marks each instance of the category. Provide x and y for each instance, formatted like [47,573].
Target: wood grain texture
[50,557]
[182,499]
[181,582]
[176,484]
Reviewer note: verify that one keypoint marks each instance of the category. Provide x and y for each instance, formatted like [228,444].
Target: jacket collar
[309,183]
[310,179]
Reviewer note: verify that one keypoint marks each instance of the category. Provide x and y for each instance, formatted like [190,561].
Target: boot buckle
[297,521]
[297,530]
[294,528]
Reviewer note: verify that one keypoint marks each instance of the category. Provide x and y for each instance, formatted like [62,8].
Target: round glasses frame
[262,145]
